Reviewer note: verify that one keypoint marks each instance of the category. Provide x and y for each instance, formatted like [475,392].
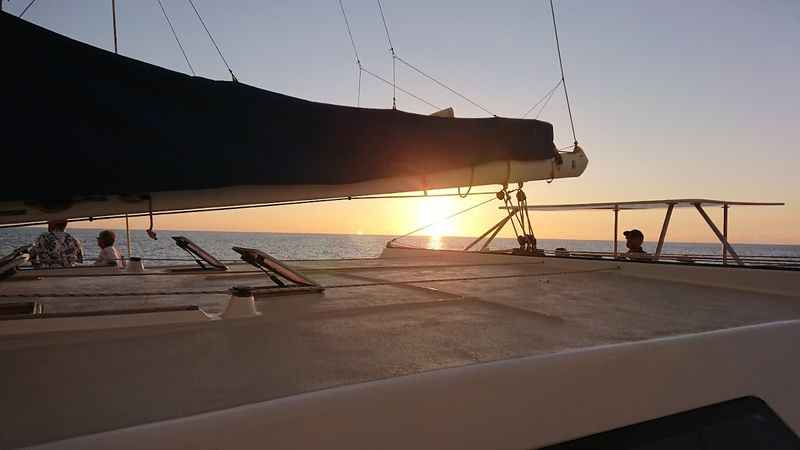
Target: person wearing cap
[56,248]
[634,240]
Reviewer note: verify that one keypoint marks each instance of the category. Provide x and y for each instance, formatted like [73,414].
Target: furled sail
[87,132]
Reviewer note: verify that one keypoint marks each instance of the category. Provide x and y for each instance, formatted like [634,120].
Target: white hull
[564,348]
[522,403]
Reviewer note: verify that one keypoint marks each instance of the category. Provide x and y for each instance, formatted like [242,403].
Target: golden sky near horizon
[767,224]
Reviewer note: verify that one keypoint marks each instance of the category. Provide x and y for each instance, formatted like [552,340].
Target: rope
[394,57]
[26,8]
[150,232]
[471,179]
[419,71]
[510,205]
[228,208]
[365,70]
[169,22]
[513,224]
[528,217]
[545,98]
[224,61]
[563,81]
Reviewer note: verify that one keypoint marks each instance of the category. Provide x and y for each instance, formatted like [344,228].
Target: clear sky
[671,99]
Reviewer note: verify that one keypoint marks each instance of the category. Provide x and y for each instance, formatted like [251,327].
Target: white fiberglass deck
[410,312]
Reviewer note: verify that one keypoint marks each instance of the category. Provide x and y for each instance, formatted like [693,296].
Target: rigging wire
[394,57]
[385,26]
[545,98]
[224,61]
[541,110]
[355,52]
[563,81]
[378,77]
[350,33]
[358,95]
[26,8]
[362,69]
[169,22]
[419,71]
[445,218]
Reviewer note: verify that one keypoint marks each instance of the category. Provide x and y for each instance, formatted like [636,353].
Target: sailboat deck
[378,318]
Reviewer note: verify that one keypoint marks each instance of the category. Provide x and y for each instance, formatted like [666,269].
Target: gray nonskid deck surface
[65,384]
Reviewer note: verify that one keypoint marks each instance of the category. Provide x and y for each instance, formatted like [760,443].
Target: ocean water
[338,246]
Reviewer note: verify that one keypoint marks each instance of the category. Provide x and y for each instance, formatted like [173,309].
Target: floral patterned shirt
[56,249]
[109,256]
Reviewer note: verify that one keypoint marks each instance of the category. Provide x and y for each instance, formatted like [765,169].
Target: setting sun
[433,210]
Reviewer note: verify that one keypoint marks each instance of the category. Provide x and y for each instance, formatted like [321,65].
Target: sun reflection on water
[435,242]
[434,211]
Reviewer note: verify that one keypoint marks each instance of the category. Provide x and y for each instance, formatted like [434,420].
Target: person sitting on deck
[109,256]
[56,248]
[634,240]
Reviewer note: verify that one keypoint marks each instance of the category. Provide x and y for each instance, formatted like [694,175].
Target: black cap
[633,233]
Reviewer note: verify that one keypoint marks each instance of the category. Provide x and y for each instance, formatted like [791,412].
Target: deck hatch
[274,269]
[205,260]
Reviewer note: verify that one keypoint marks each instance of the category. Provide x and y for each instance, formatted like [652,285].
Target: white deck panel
[377,319]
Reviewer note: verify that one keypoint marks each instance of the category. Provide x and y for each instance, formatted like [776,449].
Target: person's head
[106,238]
[56,225]
[634,239]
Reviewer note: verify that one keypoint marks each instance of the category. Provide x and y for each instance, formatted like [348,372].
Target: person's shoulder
[46,236]
[69,237]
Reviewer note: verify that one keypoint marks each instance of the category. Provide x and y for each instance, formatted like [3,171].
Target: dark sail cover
[81,121]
